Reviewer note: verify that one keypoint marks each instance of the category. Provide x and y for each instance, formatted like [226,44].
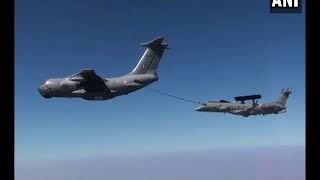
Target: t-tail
[150,59]
[283,97]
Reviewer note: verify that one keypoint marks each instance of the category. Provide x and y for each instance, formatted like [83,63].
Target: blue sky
[220,49]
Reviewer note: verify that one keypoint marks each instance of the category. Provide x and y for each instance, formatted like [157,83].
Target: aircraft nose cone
[40,90]
[200,108]
[42,93]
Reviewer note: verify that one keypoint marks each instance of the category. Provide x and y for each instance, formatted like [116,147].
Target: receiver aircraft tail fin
[283,97]
[150,59]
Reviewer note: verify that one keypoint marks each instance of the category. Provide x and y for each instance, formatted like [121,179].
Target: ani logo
[285,6]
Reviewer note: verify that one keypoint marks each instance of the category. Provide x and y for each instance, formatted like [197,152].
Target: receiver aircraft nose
[198,108]
[201,108]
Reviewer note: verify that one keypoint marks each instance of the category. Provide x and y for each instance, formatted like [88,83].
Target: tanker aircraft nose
[43,90]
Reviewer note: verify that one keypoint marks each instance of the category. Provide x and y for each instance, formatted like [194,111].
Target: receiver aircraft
[88,85]
[240,107]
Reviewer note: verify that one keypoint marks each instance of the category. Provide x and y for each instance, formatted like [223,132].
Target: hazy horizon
[276,163]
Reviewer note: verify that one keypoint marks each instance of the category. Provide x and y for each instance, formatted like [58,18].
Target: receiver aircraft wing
[220,101]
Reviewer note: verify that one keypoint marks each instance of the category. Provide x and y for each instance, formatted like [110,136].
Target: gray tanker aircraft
[247,109]
[88,85]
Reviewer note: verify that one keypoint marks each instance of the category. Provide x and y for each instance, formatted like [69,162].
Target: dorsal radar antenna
[244,98]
